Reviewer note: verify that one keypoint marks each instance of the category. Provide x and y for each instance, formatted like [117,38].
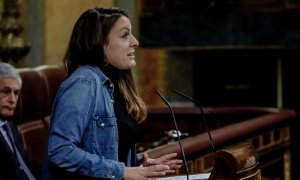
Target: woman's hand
[167,159]
[145,173]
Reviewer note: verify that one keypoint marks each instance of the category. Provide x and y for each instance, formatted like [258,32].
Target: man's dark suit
[9,165]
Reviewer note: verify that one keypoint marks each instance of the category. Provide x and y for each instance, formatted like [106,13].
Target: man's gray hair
[8,71]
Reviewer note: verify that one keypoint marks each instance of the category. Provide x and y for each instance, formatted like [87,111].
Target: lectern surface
[202,176]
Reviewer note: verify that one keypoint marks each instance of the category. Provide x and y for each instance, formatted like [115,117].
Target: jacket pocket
[106,134]
[105,122]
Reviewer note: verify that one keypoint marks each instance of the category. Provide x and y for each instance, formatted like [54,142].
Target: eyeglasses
[7,91]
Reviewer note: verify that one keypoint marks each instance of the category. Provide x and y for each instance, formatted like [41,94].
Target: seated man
[14,162]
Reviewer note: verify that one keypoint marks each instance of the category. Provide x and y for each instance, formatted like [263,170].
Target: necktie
[23,165]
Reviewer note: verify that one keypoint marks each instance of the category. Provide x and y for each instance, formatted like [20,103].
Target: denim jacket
[83,137]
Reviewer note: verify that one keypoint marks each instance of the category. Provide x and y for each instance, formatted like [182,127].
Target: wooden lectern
[236,162]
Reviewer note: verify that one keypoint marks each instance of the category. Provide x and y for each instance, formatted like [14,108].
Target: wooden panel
[269,132]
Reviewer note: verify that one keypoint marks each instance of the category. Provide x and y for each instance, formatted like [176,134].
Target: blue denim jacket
[83,137]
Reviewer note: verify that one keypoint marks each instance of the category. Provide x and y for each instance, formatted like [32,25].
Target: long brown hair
[134,103]
[86,48]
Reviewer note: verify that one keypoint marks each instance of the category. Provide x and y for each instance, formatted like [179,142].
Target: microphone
[177,131]
[202,114]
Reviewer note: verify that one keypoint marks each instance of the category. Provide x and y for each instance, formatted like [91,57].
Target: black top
[129,128]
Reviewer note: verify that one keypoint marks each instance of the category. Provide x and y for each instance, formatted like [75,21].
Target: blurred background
[223,53]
